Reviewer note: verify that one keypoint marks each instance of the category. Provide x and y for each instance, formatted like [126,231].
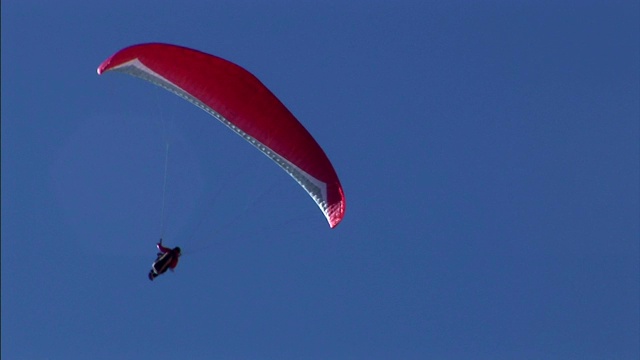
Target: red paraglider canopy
[239,100]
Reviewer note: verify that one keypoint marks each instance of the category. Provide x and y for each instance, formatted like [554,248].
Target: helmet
[177,249]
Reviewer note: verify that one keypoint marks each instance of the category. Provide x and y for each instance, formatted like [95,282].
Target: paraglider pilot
[167,259]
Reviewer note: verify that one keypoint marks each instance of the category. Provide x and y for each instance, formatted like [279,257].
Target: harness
[162,263]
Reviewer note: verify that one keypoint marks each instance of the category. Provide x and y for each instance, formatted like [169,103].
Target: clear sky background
[489,153]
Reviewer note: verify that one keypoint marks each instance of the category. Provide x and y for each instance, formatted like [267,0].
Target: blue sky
[489,153]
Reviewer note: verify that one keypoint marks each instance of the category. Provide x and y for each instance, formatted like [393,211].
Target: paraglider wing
[240,101]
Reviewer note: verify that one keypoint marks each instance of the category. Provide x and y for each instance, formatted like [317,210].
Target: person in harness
[167,259]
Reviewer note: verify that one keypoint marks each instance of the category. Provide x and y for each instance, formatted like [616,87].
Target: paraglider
[167,260]
[240,101]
